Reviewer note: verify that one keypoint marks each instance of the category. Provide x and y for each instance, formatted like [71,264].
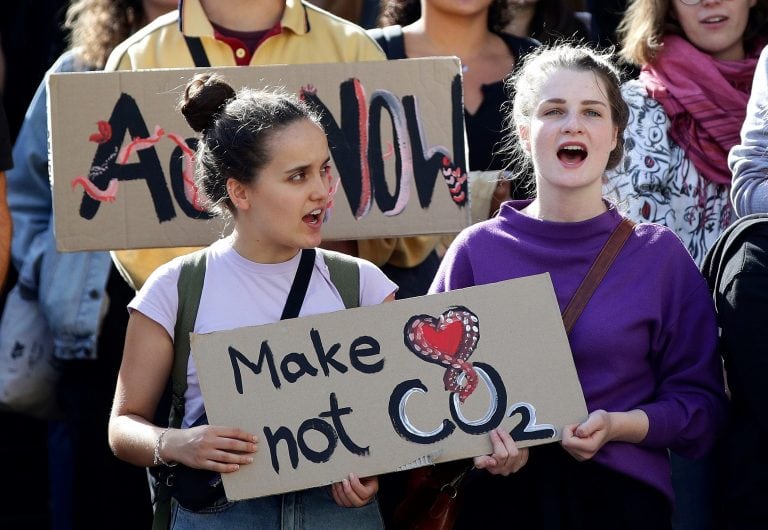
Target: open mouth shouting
[572,153]
[314,218]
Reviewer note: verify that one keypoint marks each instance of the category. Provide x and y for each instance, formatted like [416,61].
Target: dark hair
[535,68]
[405,12]
[554,20]
[97,26]
[235,127]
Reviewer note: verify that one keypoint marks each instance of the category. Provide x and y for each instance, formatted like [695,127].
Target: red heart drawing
[448,340]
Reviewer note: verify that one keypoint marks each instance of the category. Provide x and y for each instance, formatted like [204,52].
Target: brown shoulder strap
[596,273]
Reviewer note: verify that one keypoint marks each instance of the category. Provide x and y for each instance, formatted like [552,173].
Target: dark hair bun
[204,98]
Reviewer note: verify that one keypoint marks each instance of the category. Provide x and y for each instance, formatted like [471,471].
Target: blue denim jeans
[312,509]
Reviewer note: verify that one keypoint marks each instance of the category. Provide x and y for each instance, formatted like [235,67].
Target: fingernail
[250,460]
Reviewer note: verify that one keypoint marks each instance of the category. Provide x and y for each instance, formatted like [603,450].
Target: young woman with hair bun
[263,161]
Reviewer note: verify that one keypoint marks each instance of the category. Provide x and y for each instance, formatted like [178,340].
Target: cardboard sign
[397,385]
[122,156]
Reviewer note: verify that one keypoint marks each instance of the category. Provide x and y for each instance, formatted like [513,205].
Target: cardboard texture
[122,155]
[360,409]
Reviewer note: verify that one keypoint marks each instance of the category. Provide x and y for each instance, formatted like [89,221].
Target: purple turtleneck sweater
[646,340]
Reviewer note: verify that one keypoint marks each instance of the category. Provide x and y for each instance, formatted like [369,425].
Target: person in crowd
[273,178]
[81,295]
[605,16]
[644,346]
[748,160]
[547,21]
[6,163]
[697,61]
[474,33]
[736,269]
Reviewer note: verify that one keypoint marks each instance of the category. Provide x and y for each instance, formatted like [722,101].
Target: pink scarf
[705,99]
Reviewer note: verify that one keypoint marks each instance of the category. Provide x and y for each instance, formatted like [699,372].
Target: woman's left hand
[584,440]
[354,492]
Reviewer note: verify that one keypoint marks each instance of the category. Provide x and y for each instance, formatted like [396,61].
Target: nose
[320,187]
[572,123]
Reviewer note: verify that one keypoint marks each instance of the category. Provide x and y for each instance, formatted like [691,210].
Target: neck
[244,15]
[254,250]
[522,16]
[438,33]
[566,208]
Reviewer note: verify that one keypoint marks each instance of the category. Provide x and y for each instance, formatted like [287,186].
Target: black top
[736,268]
[485,126]
[6,162]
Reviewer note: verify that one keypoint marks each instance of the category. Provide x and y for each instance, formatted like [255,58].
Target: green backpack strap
[190,289]
[345,275]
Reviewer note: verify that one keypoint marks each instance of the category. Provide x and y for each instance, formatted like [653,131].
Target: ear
[615,141]
[524,133]
[238,194]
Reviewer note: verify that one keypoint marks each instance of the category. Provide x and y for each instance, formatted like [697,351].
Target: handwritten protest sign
[122,156]
[376,389]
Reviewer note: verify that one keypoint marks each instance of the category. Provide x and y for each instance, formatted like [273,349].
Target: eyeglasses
[691,2]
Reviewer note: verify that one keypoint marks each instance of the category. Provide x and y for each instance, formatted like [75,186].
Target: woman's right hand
[506,458]
[211,447]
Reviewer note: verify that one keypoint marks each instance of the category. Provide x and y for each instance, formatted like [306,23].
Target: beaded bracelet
[156,458]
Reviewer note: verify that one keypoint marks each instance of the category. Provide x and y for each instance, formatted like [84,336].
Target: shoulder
[648,121]
[345,262]
[154,32]
[333,30]
[476,236]
[69,61]
[166,274]
[666,249]
[390,39]
[373,284]
[658,237]
[636,96]
[327,19]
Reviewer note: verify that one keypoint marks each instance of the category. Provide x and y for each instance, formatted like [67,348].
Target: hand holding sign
[404,413]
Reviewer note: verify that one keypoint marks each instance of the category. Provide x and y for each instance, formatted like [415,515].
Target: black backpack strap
[300,284]
[197,52]
[391,41]
[726,245]
[345,275]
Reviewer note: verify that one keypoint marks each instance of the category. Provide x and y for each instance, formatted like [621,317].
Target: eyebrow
[305,166]
[561,101]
